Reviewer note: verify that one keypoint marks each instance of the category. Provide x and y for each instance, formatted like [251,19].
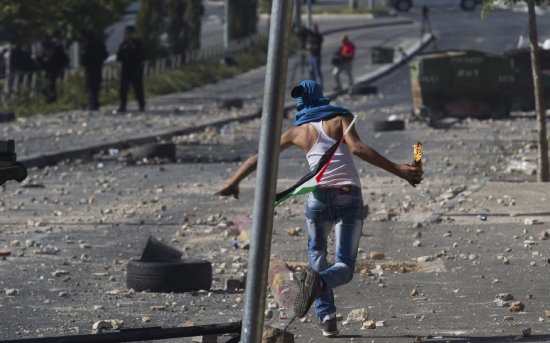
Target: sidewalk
[42,140]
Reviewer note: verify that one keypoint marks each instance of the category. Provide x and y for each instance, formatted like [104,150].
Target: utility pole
[268,164]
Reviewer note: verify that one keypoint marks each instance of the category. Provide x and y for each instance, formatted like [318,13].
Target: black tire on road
[155,150]
[169,276]
[389,125]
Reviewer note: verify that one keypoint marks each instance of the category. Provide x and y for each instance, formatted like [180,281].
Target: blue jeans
[315,69]
[329,208]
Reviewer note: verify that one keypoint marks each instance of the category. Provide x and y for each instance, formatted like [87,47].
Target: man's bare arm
[411,174]
[250,165]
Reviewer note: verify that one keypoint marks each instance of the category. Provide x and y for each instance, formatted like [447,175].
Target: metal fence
[23,86]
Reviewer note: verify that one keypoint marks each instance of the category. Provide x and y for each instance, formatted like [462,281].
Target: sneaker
[328,326]
[310,289]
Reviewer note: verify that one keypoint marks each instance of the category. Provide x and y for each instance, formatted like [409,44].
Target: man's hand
[229,189]
[411,174]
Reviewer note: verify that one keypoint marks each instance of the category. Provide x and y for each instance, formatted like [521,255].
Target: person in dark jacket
[130,54]
[93,55]
[53,60]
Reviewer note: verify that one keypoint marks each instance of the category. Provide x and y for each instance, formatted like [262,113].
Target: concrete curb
[87,152]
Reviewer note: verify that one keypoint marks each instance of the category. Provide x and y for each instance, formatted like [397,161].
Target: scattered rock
[544,235]
[274,335]
[358,315]
[11,291]
[60,272]
[292,232]
[417,244]
[368,325]
[117,324]
[101,325]
[501,303]
[516,306]
[5,252]
[47,250]
[547,313]
[377,255]
[504,296]
[146,319]
[530,221]
[380,324]
[508,318]
[425,259]
[414,292]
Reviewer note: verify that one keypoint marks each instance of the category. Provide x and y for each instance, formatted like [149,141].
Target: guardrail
[23,86]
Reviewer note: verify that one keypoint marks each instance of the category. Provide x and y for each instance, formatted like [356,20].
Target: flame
[417,151]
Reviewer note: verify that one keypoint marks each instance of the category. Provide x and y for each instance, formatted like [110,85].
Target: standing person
[336,203]
[53,60]
[315,42]
[130,54]
[93,55]
[426,25]
[346,52]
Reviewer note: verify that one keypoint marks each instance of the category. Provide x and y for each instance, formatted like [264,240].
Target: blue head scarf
[311,104]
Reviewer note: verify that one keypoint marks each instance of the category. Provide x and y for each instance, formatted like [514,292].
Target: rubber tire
[403,5]
[389,125]
[169,276]
[468,5]
[159,150]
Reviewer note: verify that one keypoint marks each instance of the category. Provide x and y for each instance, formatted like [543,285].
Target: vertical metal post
[226,24]
[268,163]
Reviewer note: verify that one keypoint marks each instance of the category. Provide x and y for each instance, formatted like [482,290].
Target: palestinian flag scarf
[310,181]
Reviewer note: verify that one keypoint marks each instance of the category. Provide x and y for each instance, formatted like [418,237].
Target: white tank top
[341,170]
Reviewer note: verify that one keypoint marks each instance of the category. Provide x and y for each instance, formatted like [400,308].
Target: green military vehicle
[460,84]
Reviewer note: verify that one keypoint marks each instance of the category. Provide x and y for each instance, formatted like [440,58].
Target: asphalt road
[99,215]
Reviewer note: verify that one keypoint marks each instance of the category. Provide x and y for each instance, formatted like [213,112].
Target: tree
[243,18]
[193,14]
[150,26]
[24,21]
[543,174]
[176,28]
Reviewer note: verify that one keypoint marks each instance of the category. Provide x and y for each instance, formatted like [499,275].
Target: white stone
[425,259]
[60,272]
[102,325]
[358,315]
[11,291]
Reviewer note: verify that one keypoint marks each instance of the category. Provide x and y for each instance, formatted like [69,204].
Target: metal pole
[268,163]
[226,24]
